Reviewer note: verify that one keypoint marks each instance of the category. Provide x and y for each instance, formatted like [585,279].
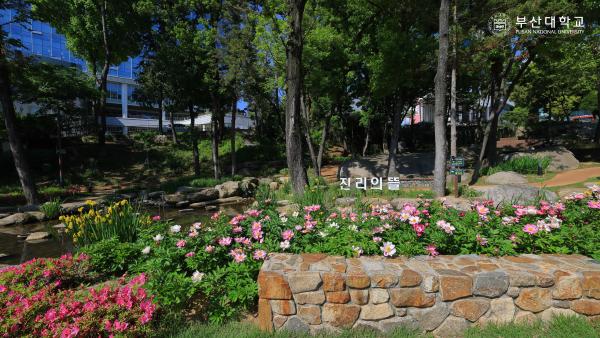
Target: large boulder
[408,165]
[206,194]
[18,218]
[37,236]
[248,185]
[506,177]
[73,207]
[562,158]
[175,198]
[514,193]
[229,189]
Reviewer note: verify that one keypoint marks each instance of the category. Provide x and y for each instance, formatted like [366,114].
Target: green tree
[7,101]
[102,32]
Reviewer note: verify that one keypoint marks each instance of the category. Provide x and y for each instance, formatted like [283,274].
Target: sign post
[457,168]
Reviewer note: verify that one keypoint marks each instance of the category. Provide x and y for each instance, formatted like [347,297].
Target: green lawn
[559,327]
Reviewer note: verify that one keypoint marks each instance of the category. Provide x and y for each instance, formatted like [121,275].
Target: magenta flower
[531,229]
[481,240]
[190,254]
[238,255]
[594,204]
[156,218]
[209,248]
[181,243]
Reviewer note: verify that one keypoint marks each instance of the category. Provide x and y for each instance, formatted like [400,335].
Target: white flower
[175,228]
[146,250]
[322,234]
[388,249]
[357,249]
[197,225]
[295,214]
[414,220]
[387,226]
[404,216]
[283,219]
[334,225]
[158,238]
[284,245]
[447,227]
[353,227]
[197,276]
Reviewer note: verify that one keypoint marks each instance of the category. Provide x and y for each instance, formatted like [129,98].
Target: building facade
[124,114]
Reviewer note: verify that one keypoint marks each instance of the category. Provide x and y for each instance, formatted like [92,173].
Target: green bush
[119,220]
[51,209]
[521,164]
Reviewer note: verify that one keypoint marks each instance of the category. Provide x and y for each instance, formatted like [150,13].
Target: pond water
[14,249]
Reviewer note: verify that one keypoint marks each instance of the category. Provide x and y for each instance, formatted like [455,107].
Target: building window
[113,91]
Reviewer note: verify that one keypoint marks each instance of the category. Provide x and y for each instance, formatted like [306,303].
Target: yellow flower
[80,209]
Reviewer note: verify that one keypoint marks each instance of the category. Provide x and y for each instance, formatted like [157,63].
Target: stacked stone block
[444,295]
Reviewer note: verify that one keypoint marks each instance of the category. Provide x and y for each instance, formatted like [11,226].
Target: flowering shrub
[43,297]
[218,261]
[118,220]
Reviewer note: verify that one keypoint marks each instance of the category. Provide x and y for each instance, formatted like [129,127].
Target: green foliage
[119,220]
[51,209]
[521,164]
[112,257]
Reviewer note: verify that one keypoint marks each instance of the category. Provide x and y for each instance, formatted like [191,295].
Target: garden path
[570,177]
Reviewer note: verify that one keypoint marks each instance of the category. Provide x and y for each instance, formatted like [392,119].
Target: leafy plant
[119,220]
[51,209]
[521,164]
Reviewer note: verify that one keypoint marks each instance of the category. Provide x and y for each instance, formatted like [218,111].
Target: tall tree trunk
[366,146]
[160,116]
[323,142]
[14,140]
[214,129]
[597,53]
[173,131]
[498,99]
[439,118]
[453,136]
[233,131]
[304,109]
[194,137]
[393,146]
[104,75]
[293,142]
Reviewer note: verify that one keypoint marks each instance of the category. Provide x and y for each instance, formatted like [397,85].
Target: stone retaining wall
[444,295]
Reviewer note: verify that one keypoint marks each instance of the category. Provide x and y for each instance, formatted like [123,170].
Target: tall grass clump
[119,220]
[51,209]
[523,165]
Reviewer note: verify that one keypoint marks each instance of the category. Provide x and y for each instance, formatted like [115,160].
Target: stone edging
[444,295]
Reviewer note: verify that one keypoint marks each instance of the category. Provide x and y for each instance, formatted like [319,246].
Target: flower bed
[45,298]
[216,264]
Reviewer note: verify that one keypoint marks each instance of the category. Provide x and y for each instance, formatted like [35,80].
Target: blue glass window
[125,69]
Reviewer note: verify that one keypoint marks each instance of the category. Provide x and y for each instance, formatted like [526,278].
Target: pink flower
[594,204]
[181,243]
[253,213]
[310,208]
[531,229]
[432,250]
[482,210]
[481,240]
[120,326]
[156,218]
[377,239]
[190,254]
[2,288]
[259,254]
[287,235]
[209,248]
[238,255]
[237,229]
[225,241]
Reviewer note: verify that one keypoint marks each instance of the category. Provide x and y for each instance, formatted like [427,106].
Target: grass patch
[522,165]
[559,327]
